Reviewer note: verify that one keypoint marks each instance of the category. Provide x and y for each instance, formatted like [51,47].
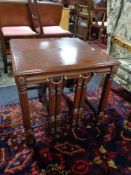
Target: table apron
[41,78]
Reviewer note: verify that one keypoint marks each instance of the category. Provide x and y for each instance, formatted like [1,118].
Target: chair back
[50,13]
[45,14]
[83,16]
[14,14]
[35,15]
[100,15]
[99,3]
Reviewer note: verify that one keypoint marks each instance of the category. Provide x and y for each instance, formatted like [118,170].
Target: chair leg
[76,26]
[87,30]
[100,34]
[86,34]
[42,93]
[4,55]
[90,34]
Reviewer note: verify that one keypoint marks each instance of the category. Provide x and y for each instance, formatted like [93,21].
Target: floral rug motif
[89,150]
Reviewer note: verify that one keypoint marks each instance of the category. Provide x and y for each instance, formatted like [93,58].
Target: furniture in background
[15,22]
[59,60]
[98,24]
[23,20]
[82,21]
[90,19]
[123,75]
[49,15]
[120,26]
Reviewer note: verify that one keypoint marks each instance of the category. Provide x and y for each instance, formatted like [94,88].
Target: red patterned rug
[91,150]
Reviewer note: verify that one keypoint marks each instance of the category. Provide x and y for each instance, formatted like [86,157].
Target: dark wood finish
[76,102]
[55,95]
[105,91]
[45,14]
[50,61]
[79,100]
[52,104]
[35,16]
[13,14]
[22,86]
[58,107]
[83,15]
[98,22]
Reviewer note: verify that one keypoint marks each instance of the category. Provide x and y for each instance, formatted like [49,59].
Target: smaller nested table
[53,61]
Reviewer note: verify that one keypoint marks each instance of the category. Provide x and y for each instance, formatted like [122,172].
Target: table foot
[30,140]
[100,115]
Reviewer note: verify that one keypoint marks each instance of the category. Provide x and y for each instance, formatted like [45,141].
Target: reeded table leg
[59,88]
[105,92]
[79,100]
[22,88]
[55,94]
[4,54]
[51,107]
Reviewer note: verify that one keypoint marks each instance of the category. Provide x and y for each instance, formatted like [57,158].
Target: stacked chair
[98,22]
[29,20]
[91,20]
[83,16]
[49,16]
[15,22]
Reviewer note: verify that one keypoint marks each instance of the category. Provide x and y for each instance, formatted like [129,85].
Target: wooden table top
[34,56]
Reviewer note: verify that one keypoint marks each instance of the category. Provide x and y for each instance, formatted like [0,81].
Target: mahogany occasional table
[53,61]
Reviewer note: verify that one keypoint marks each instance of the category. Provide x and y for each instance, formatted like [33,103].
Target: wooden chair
[49,16]
[98,23]
[83,15]
[15,22]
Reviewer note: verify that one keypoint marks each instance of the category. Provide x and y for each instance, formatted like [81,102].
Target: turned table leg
[22,89]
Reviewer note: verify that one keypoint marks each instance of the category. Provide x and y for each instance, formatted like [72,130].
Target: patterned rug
[90,150]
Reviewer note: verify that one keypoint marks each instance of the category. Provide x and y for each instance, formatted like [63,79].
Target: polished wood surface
[14,14]
[53,62]
[29,14]
[56,55]
[49,24]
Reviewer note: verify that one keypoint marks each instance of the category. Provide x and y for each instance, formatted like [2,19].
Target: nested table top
[34,56]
